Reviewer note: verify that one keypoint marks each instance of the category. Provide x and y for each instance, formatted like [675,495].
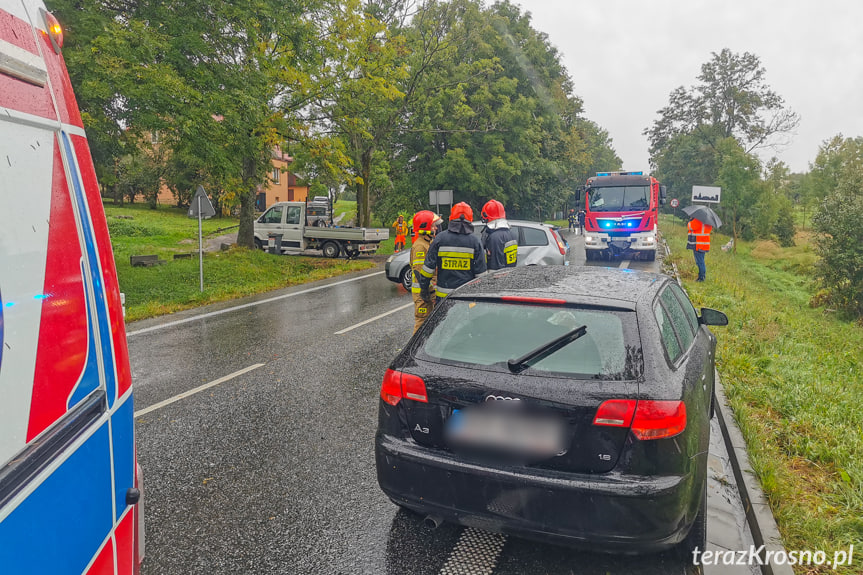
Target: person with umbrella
[701,223]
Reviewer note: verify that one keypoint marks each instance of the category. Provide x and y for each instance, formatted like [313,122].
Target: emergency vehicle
[70,485]
[621,215]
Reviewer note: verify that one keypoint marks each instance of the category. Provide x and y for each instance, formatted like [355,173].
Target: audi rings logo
[501,398]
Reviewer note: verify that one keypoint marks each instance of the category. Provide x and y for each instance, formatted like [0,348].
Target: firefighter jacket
[699,236]
[457,255]
[419,249]
[501,245]
[401,227]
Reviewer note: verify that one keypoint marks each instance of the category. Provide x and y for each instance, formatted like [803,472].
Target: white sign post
[706,194]
[201,207]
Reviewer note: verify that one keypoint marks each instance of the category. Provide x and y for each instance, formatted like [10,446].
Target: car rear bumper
[608,511]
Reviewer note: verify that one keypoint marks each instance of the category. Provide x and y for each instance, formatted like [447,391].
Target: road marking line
[370,320]
[475,553]
[246,305]
[624,264]
[199,389]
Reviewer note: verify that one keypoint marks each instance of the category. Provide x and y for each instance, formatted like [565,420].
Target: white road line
[624,264]
[247,305]
[370,320]
[199,389]
[475,553]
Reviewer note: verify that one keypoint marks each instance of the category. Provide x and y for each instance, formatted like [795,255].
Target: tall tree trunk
[246,233]
[364,207]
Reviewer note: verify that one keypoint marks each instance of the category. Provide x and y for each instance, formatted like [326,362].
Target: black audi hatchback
[571,405]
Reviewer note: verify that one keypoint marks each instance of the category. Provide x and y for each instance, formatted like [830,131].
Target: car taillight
[398,385]
[560,245]
[659,419]
[615,413]
[648,419]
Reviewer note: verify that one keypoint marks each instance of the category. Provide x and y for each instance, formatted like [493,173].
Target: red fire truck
[621,215]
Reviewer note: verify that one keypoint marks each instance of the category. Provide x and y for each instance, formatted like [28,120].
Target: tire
[406,278]
[320,224]
[649,256]
[352,253]
[259,245]
[331,250]
[697,536]
[589,255]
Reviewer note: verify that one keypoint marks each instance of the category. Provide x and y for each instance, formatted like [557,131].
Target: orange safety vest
[699,236]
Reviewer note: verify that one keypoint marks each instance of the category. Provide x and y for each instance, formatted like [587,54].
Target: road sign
[201,205]
[707,194]
[439,197]
[675,202]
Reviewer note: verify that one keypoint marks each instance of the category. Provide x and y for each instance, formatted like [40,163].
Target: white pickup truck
[289,219]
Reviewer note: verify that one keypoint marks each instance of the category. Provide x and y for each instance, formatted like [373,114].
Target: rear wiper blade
[545,350]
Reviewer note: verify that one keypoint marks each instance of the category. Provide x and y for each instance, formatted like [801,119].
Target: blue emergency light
[600,174]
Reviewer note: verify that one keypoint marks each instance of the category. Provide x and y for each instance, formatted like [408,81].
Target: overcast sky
[626,56]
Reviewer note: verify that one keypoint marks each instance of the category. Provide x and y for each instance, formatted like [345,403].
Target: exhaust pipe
[432,521]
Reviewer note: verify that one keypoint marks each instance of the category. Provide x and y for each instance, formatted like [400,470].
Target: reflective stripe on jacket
[457,255]
[401,228]
[699,236]
[419,249]
[501,247]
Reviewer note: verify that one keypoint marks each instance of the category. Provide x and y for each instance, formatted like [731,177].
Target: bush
[840,243]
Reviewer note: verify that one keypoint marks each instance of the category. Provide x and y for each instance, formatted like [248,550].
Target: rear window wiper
[545,350]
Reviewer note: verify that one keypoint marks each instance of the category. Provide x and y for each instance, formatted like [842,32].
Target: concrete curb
[759,517]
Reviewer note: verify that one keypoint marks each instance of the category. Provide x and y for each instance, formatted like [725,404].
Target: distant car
[568,405]
[538,244]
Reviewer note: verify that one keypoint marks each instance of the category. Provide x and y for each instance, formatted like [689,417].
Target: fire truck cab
[70,486]
[621,215]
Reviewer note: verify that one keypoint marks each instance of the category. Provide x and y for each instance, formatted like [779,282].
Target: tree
[225,79]
[739,175]
[732,100]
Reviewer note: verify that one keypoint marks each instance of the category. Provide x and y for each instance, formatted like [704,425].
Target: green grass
[174,285]
[793,376]
[345,207]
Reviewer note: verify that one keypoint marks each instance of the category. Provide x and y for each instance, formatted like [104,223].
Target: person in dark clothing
[498,239]
[581,216]
[456,254]
[572,220]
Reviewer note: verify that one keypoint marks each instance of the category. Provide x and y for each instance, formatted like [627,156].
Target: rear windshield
[485,334]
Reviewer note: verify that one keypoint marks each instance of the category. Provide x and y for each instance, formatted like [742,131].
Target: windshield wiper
[545,350]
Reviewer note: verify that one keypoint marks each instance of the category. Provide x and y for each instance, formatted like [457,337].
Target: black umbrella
[704,215]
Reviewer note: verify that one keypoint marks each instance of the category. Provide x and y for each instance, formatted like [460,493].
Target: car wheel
[259,245]
[320,224]
[649,256]
[588,255]
[406,278]
[331,250]
[697,537]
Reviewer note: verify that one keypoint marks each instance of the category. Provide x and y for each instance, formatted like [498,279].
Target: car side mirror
[663,192]
[712,317]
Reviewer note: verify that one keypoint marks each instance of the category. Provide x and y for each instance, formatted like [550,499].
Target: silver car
[538,244]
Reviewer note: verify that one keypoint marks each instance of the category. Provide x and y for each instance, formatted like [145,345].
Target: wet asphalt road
[272,471]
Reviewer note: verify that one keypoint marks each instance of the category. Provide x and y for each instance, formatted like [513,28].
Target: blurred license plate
[506,430]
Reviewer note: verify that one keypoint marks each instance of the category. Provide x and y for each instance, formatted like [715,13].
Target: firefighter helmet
[462,210]
[492,210]
[424,222]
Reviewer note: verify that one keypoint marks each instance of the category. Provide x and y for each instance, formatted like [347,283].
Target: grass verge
[793,376]
[174,286]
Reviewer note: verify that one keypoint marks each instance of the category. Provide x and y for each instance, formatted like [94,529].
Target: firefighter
[698,241]
[401,227]
[572,219]
[425,224]
[500,242]
[455,254]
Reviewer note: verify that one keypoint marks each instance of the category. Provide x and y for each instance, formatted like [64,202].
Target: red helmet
[424,222]
[461,209]
[492,210]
